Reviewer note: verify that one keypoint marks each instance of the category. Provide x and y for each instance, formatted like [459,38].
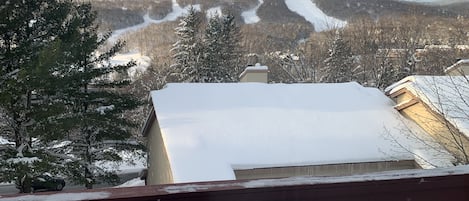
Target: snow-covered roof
[257,67]
[447,95]
[211,129]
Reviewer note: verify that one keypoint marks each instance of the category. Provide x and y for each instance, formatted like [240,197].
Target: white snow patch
[190,188]
[142,63]
[132,183]
[60,197]
[61,144]
[250,16]
[314,15]
[102,110]
[208,128]
[23,160]
[31,23]
[4,141]
[214,12]
[132,161]
[177,11]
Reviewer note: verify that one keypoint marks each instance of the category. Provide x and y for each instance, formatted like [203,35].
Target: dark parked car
[48,182]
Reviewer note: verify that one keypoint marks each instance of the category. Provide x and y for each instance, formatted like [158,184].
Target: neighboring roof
[254,69]
[446,95]
[456,65]
[211,129]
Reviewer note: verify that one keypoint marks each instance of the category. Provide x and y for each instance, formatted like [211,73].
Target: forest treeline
[381,51]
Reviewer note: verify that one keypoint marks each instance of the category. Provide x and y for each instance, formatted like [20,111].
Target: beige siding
[403,97]
[159,169]
[434,124]
[438,127]
[325,170]
[260,76]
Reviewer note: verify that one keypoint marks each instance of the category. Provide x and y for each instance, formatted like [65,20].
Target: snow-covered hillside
[250,16]
[177,11]
[314,15]
[305,8]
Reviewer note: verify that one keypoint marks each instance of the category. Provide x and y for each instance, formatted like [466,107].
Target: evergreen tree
[27,32]
[211,58]
[338,67]
[231,53]
[187,49]
[212,69]
[221,49]
[55,90]
[93,130]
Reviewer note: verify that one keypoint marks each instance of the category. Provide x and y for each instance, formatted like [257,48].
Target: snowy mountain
[126,17]
[122,14]
[302,9]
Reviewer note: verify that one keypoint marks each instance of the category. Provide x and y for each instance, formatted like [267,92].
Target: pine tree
[339,65]
[231,49]
[211,58]
[212,69]
[27,31]
[54,89]
[221,49]
[93,130]
[187,49]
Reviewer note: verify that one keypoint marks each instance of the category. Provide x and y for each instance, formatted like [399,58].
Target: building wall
[435,125]
[260,76]
[159,168]
[344,169]
[403,97]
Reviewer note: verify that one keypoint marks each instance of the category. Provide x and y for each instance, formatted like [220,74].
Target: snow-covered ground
[4,141]
[250,16]
[133,161]
[314,15]
[132,183]
[143,62]
[305,8]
